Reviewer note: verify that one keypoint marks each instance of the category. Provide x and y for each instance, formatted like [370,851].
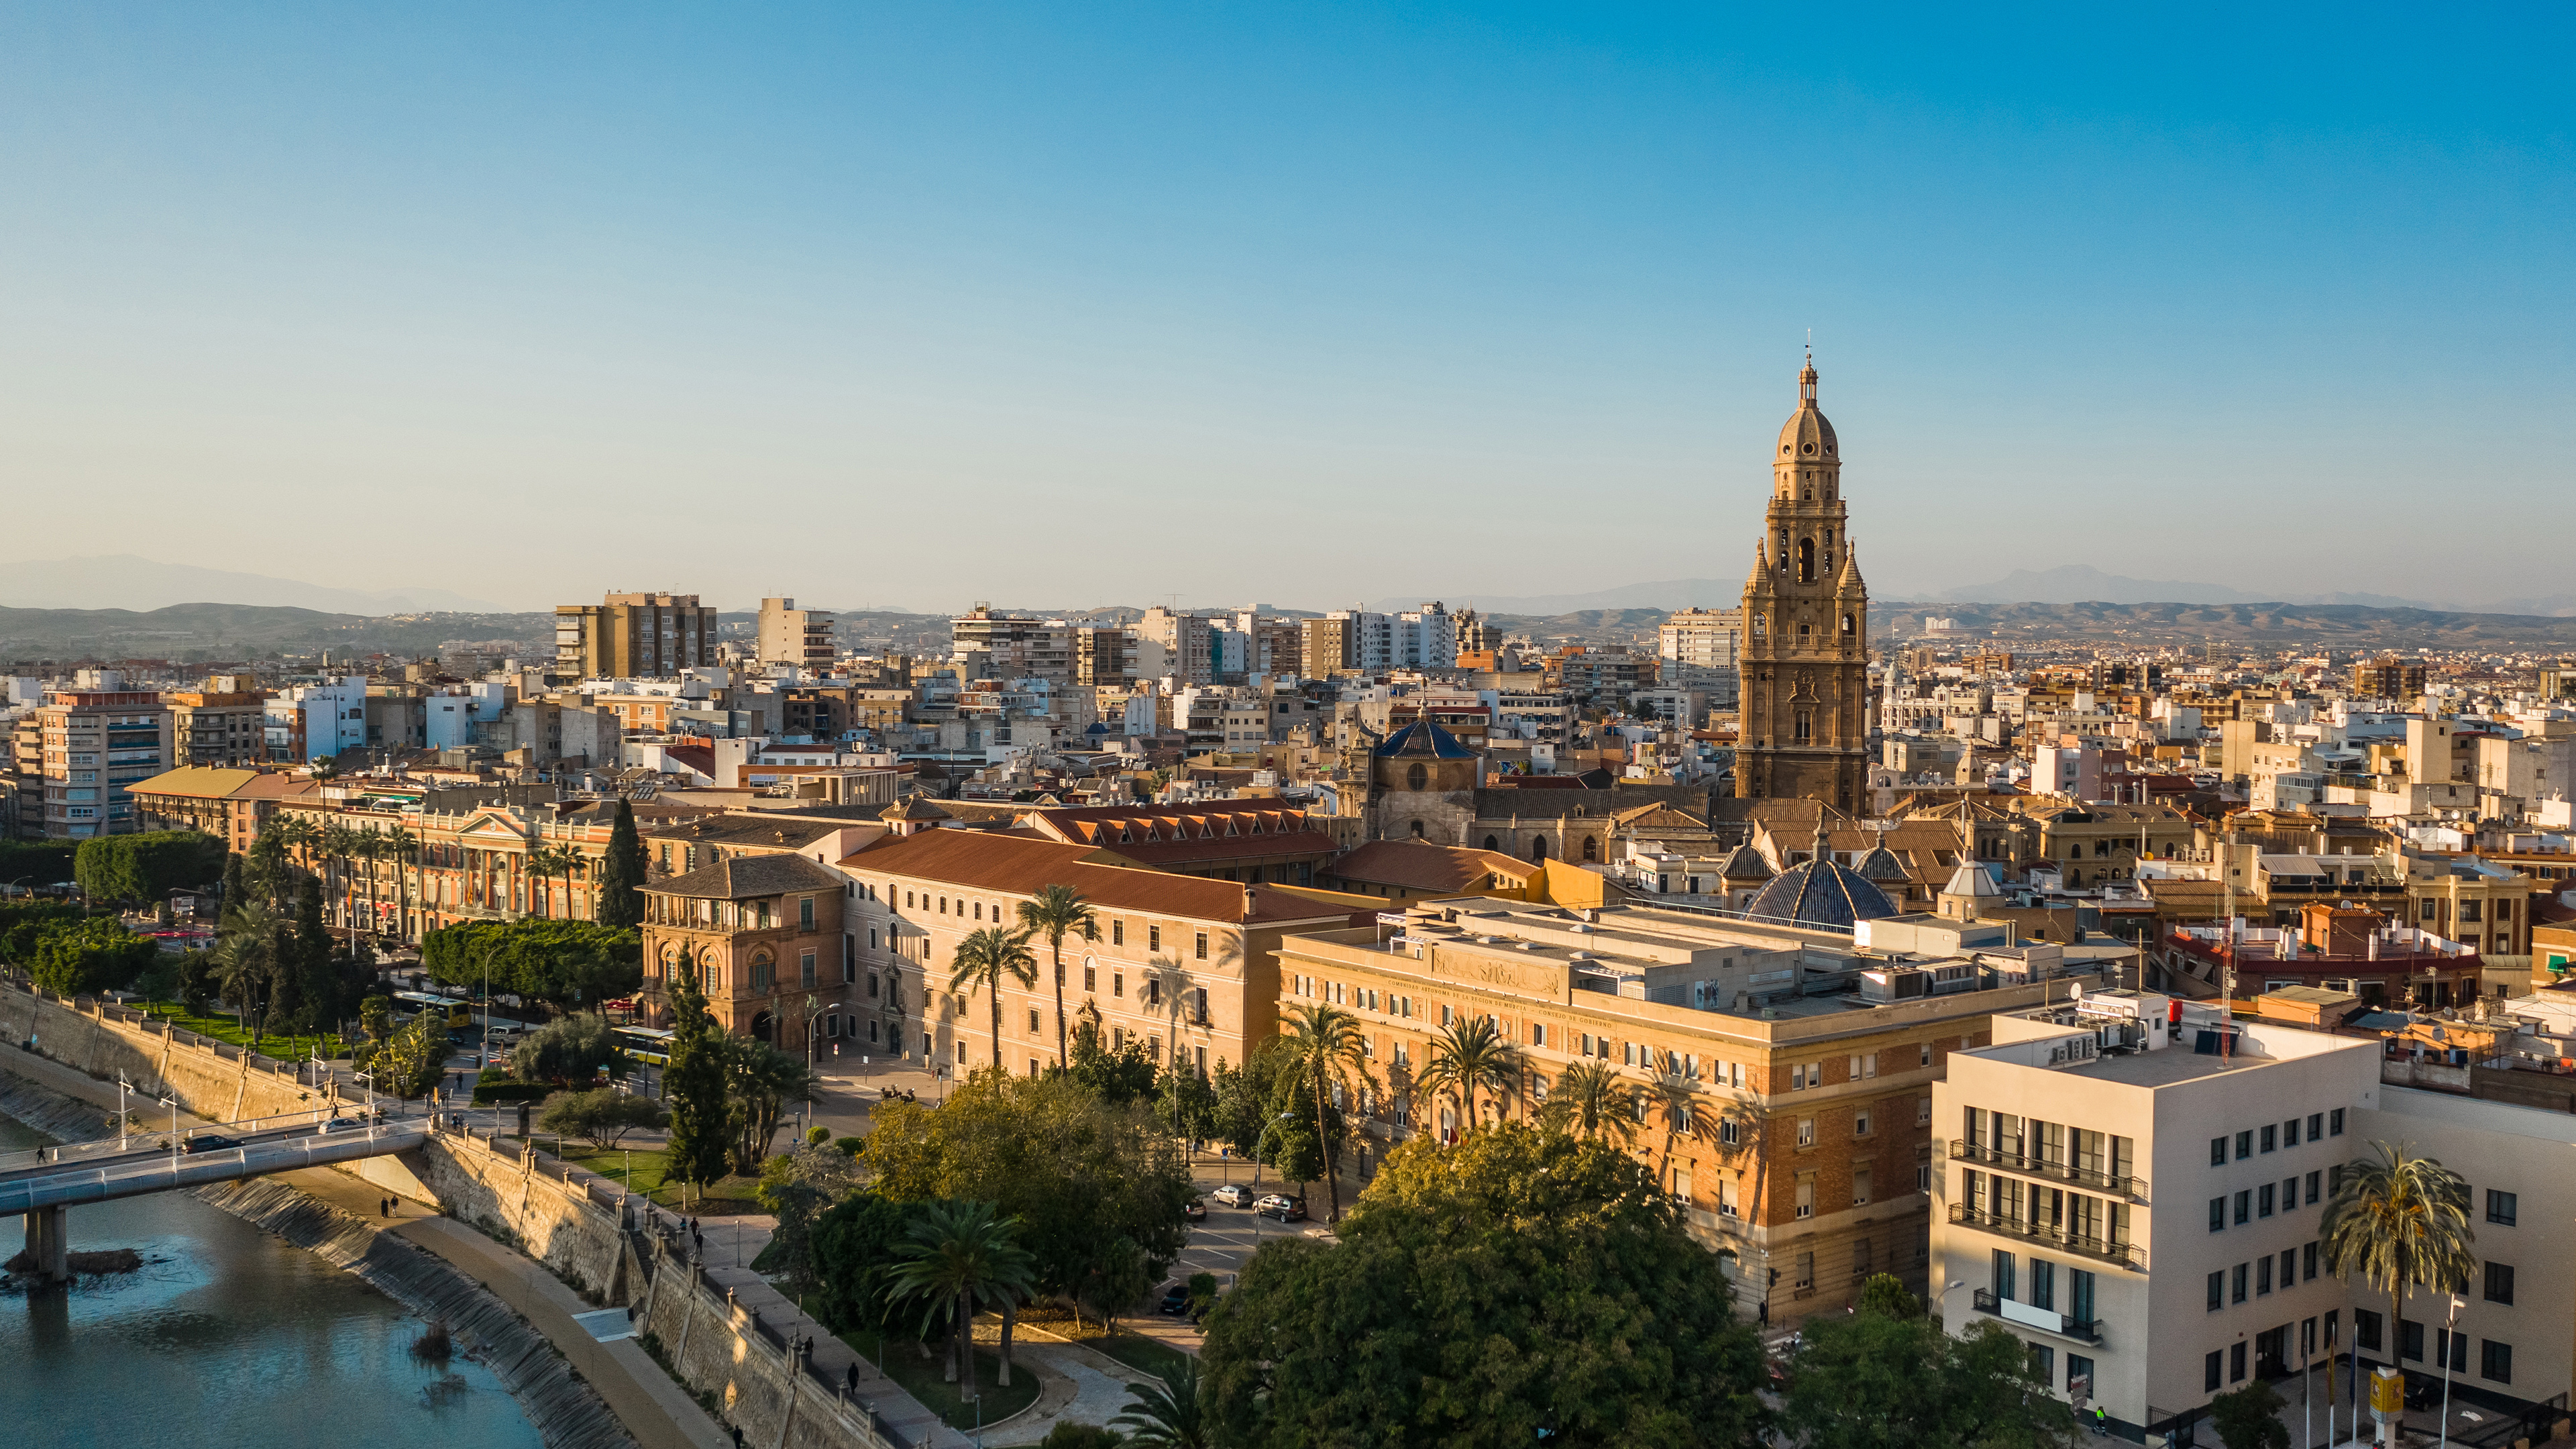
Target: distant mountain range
[125,581]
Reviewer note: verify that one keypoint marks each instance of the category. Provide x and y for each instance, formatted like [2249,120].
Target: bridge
[45,1184]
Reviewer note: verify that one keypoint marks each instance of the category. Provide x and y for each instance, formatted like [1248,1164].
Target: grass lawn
[277,1046]
[733,1195]
[920,1377]
[1133,1350]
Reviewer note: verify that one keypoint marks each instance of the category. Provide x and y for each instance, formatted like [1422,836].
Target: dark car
[1194,1211]
[209,1142]
[1176,1301]
[1285,1209]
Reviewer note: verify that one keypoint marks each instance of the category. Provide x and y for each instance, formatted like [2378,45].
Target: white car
[1233,1194]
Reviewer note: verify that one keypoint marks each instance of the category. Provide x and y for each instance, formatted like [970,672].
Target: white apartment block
[2143,1207]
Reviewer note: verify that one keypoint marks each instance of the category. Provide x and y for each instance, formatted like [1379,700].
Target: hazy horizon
[1135,303]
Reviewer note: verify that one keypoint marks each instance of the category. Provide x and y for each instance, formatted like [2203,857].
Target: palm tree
[1166,1418]
[1053,911]
[956,1255]
[246,960]
[1329,1046]
[402,845]
[338,843]
[549,861]
[1677,1102]
[1591,1100]
[1467,1057]
[983,959]
[2400,1222]
[370,847]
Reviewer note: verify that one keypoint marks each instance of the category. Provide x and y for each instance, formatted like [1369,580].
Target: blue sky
[1066,305]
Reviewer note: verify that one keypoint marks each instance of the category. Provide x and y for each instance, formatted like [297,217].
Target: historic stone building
[1806,629]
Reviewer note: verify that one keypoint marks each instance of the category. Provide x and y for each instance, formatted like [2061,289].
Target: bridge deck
[130,1174]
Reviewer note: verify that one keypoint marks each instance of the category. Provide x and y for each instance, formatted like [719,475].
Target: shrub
[570,1050]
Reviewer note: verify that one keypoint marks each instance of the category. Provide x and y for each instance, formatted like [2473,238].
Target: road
[99,1178]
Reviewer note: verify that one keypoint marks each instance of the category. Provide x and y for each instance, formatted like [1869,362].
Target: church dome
[1425,740]
[1820,893]
[1881,864]
[1807,437]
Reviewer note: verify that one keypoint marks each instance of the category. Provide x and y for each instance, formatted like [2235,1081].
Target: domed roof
[1972,879]
[1820,893]
[1881,864]
[1425,740]
[1745,863]
[1807,436]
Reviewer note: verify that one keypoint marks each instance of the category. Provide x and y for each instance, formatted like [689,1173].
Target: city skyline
[525,312]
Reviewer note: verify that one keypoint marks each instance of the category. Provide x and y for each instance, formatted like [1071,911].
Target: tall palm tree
[2400,1222]
[247,961]
[402,845]
[1053,911]
[1677,1104]
[1467,1057]
[336,845]
[546,862]
[958,1255]
[370,847]
[1330,1049]
[1592,1100]
[983,959]
[1166,1417]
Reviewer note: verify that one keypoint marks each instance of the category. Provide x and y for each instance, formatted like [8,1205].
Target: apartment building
[230,804]
[645,636]
[798,637]
[1808,1060]
[2142,1203]
[212,727]
[1708,638]
[1188,966]
[95,745]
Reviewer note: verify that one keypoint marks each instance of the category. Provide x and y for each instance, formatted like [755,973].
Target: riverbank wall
[210,1079]
[752,1369]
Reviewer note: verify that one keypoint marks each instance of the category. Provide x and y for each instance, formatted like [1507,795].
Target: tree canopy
[1517,1288]
[148,866]
[1887,1377]
[90,956]
[621,878]
[565,963]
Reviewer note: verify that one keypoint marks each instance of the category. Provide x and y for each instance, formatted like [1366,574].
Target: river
[230,1337]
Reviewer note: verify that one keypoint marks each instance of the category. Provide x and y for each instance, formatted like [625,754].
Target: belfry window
[1806,727]
[1847,623]
[1806,560]
[1760,621]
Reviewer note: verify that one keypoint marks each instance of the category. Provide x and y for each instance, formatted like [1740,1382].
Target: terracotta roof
[740,877]
[1228,847]
[913,807]
[1009,863]
[1205,820]
[772,830]
[1420,865]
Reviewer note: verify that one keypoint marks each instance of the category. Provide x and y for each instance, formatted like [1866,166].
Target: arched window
[1492,843]
[1538,848]
[1591,848]
[1415,778]
[1417,825]
[1806,560]
[1761,625]
[1847,623]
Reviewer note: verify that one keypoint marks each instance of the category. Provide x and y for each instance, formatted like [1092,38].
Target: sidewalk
[832,1358]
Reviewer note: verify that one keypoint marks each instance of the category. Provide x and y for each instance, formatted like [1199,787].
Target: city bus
[650,1045]
[454,1011]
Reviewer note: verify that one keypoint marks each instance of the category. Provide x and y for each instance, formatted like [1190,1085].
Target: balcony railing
[2028,1166]
[2127,1255]
[2047,1320]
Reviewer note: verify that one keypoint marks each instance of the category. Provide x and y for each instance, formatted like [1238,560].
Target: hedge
[149,866]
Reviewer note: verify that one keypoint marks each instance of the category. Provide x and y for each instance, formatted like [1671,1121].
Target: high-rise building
[96,743]
[1187,642]
[1327,646]
[987,645]
[794,636]
[218,726]
[1805,653]
[634,636]
[1706,637]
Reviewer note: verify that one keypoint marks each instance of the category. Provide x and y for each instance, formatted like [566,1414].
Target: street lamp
[2450,1345]
[810,1017]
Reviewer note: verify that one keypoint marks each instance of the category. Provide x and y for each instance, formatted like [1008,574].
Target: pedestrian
[2101,1423]
[854,1377]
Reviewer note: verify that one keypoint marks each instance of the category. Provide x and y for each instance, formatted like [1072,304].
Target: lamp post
[803,1112]
[483,1048]
[2450,1342]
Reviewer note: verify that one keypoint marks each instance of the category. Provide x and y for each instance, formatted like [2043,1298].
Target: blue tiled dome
[1821,893]
[1423,738]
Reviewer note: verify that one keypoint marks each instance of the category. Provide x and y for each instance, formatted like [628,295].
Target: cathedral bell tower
[1805,659]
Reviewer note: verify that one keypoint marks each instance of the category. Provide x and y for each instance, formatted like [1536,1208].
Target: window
[1118,983]
[805,970]
[2314,1178]
[2289,1193]
[2316,1125]
[2365,1329]
[2003,1280]
[2217,1290]
[1860,1186]
[2410,1339]
[2043,1363]
[1806,1131]
[1033,1021]
[1201,948]
[1922,1111]
[2209,1372]
[1117,933]
[2218,1152]
[1860,1122]
[2237,1279]
[1153,938]
[2263,1276]
[2263,1201]
[2499,1283]
[1807,1198]
[2334,1123]
[2453,1347]
[2308,1263]
[1926,1059]
[1090,977]
[2244,1145]
[2218,1212]
[2495,1361]
[2289,1267]
[2290,1133]
[2268,1135]
[2236,1363]
[2502,1207]
[2244,1207]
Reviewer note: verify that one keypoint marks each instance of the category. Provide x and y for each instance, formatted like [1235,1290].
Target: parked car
[1176,1301]
[1233,1194]
[209,1142]
[1194,1211]
[338,1124]
[1285,1209]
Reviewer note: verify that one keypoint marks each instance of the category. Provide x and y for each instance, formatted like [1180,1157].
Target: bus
[650,1045]
[455,1011]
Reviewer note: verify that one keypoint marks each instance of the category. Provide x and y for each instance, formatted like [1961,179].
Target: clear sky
[1071,304]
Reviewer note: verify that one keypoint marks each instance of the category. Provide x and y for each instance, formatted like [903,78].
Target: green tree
[88,957]
[148,866]
[957,1257]
[1051,912]
[1120,1076]
[1521,1287]
[409,1063]
[760,1080]
[2400,1222]
[1244,1095]
[1185,1103]
[376,1017]
[1069,1435]
[565,963]
[798,1188]
[568,1049]
[24,922]
[1590,1099]
[1331,1052]
[2249,1418]
[1886,1295]
[314,1003]
[233,887]
[1876,1379]
[1098,1189]
[693,1087]
[981,963]
[853,1251]
[602,1117]
[621,880]
[1167,1415]
[1470,1058]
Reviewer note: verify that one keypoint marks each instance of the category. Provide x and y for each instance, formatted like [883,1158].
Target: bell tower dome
[1806,628]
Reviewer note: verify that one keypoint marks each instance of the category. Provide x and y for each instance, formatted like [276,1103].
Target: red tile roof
[1008,863]
[1420,865]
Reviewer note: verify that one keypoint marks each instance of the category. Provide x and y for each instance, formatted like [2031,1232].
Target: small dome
[1820,893]
[1425,740]
[1807,437]
[1745,863]
[1972,879]
[1881,864]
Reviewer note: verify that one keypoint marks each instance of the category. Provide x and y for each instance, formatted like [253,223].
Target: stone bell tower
[1806,629]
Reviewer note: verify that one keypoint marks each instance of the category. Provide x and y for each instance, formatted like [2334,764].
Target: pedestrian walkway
[832,1359]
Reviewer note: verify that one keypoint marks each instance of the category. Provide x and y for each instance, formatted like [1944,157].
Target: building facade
[95,745]
[1806,629]
[798,637]
[634,636]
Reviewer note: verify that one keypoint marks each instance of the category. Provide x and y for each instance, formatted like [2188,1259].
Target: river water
[230,1337]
